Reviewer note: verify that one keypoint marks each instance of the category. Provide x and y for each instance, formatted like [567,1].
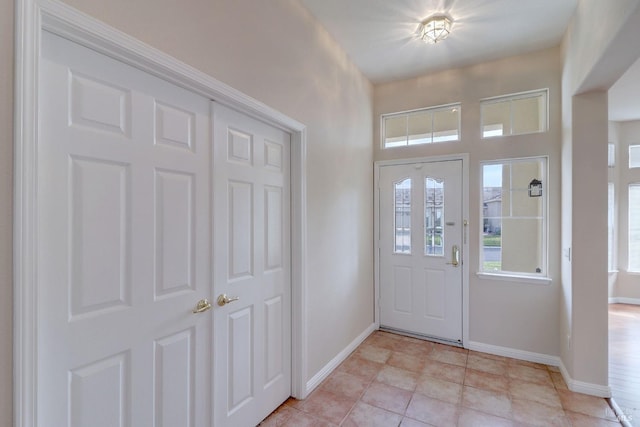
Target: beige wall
[592,60]
[6,191]
[530,310]
[277,53]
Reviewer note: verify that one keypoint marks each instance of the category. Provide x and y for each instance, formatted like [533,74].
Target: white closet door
[251,210]
[124,245]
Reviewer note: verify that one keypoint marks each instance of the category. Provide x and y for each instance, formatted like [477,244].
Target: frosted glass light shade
[435,29]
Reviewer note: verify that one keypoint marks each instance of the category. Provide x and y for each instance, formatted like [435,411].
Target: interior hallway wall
[592,62]
[6,206]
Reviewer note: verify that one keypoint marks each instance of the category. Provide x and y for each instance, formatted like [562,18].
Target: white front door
[124,245]
[421,228]
[251,211]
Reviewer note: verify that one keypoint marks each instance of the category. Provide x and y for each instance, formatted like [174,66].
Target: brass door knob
[223,299]
[202,306]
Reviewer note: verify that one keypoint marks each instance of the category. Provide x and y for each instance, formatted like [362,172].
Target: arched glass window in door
[433,216]
[402,216]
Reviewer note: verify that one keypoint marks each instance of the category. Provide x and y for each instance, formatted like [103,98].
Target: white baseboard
[336,361]
[583,387]
[624,300]
[513,353]
[573,385]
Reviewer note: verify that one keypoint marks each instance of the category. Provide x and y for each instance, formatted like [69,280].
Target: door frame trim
[32,17]
[464,158]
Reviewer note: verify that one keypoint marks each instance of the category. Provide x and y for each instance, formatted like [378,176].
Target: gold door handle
[223,299]
[202,306]
[455,256]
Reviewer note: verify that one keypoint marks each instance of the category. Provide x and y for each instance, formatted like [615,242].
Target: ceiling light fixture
[435,29]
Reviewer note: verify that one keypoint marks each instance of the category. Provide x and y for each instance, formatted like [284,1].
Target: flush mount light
[435,29]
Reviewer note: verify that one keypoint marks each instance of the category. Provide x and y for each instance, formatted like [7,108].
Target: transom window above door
[515,114]
[423,126]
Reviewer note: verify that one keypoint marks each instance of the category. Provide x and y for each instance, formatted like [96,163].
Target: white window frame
[632,157]
[526,277]
[510,98]
[629,241]
[611,226]
[434,135]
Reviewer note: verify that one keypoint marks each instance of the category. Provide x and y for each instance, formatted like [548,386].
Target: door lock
[455,256]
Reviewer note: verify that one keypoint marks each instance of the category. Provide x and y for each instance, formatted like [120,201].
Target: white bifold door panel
[251,211]
[133,221]
[421,229]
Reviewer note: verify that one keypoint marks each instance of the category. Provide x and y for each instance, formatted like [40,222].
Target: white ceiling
[624,96]
[380,36]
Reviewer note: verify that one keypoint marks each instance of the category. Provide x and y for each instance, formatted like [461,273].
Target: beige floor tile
[439,385]
[450,356]
[536,414]
[345,384]
[582,420]
[472,418]
[416,348]
[364,415]
[361,367]
[587,405]
[486,381]
[527,363]
[444,371]
[406,361]
[387,397]
[397,377]
[291,417]
[558,381]
[529,374]
[373,353]
[432,411]
[328,406]
[498,404]
[545,394]
[484,364]
[408,422]
[440,389]
[489,356]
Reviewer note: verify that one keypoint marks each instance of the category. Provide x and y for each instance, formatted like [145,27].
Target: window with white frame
[634,227]
[513,237]
[424,126]
[515,114]
[611,155]
[611,225]
[634,156]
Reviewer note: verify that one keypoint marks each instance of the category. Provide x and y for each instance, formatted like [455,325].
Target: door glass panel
[402,216]
[433,216]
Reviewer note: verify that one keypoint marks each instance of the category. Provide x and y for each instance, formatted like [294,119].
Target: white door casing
[251,210]
[421,228]
[123,251]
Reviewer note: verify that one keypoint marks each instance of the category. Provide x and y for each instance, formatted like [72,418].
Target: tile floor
[392,381]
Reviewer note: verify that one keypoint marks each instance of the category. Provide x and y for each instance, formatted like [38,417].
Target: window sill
[514,278]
